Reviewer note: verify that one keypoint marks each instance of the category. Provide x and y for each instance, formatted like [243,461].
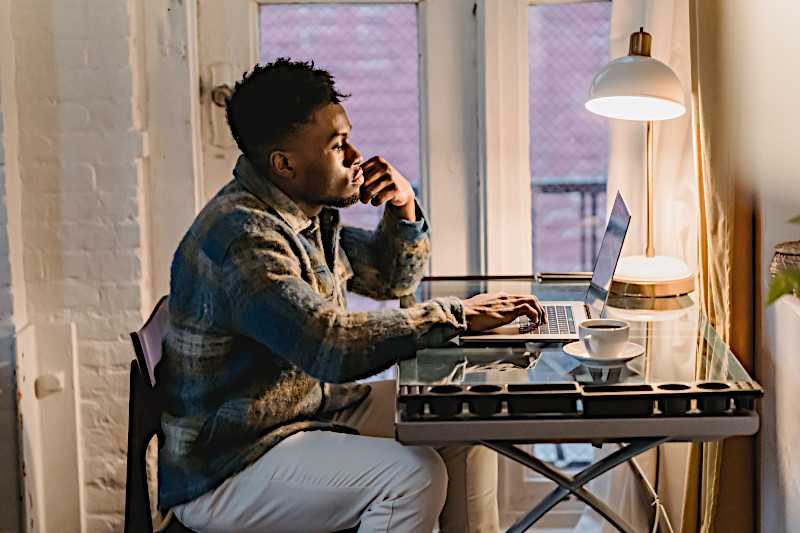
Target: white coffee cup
[604,337]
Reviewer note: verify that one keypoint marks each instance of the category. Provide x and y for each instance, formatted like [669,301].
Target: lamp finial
[641,42]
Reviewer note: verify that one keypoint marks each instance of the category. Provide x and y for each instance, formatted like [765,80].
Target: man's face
[326,166]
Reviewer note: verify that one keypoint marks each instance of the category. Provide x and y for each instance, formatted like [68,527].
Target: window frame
[476,189]
[507,209]
[474,126]
[504,132]
[448,106]
[504,137]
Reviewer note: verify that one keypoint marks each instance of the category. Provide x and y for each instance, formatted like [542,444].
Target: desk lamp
[638,87]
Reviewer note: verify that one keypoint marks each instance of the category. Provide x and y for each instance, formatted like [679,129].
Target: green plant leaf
[785,282]
[795,220]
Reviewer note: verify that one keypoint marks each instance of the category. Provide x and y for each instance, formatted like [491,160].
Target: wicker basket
[787,256]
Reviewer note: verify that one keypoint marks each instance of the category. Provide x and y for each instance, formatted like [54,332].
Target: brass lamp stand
[626,281]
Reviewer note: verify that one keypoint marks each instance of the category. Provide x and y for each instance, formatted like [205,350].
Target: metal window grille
[371,50]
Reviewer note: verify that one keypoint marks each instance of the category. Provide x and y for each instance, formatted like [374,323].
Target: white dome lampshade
[636,86]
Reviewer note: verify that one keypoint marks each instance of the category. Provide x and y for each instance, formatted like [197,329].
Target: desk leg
[574,485]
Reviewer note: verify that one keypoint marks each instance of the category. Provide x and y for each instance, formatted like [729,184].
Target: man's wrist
[403,229]
[407,211]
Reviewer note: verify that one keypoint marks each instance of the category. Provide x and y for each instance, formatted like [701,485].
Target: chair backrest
[147,341]
[144,416]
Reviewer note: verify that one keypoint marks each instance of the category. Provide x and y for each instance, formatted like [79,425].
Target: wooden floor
[589,523]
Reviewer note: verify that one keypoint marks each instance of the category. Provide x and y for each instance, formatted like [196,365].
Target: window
[567,45]
[411,69]
[371,49]
[439,87]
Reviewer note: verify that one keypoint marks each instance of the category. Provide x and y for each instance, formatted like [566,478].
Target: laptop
[563,316]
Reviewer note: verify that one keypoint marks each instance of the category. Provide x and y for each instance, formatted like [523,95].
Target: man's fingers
[529,311]
[368,192]
[386,194]
[373,165]
[374,174]
[533,302]
[374,183]
[370,162]
[377,183]
[518,297]
[540,309]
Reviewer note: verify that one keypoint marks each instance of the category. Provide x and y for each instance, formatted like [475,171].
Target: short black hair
[272,101]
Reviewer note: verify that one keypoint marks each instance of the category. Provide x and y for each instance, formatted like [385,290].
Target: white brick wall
[83,170]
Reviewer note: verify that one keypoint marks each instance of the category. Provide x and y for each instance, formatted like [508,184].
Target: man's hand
[384,183]
[487,311]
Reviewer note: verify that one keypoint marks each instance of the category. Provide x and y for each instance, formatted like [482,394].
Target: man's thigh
[472,470]
[312,481]
[374,416]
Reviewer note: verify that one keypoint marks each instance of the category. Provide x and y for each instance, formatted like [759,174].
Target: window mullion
[448,92]
[504,135]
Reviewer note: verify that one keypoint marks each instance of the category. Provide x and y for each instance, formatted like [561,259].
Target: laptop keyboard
[559,322]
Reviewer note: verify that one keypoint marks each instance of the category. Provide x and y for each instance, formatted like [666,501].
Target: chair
[144,420]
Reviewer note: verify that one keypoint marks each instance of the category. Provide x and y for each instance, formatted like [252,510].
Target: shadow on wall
[9,450]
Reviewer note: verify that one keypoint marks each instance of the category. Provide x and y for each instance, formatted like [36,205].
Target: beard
[347,201]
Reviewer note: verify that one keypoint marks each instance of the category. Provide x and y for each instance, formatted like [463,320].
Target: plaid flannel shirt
[260,344]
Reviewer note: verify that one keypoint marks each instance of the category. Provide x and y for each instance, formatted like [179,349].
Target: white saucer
[578,350]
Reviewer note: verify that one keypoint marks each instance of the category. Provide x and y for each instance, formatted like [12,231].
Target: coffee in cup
[604,337]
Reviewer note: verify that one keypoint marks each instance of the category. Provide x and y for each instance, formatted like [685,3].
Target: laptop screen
[607,257]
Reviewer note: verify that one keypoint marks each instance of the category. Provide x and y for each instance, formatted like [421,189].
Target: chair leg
[137,498]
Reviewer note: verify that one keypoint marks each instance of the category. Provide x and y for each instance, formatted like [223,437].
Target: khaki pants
[320,481]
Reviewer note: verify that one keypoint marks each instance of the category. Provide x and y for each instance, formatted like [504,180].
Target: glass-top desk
[687,386]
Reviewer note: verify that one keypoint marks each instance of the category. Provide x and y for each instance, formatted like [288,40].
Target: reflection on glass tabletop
[679,343]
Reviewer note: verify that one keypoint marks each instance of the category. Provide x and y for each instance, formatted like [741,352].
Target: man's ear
[280,163]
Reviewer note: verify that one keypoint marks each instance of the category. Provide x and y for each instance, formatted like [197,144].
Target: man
[264,430]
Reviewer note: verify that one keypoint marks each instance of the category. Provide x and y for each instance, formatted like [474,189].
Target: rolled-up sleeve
[388,262]
[271,303]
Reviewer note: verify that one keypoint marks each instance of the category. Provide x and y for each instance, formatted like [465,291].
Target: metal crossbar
[574,485]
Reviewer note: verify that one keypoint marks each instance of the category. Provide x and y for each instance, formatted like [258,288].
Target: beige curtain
[675,185]
[720,486]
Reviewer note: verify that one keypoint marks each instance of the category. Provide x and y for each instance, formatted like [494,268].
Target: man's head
[287,119]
